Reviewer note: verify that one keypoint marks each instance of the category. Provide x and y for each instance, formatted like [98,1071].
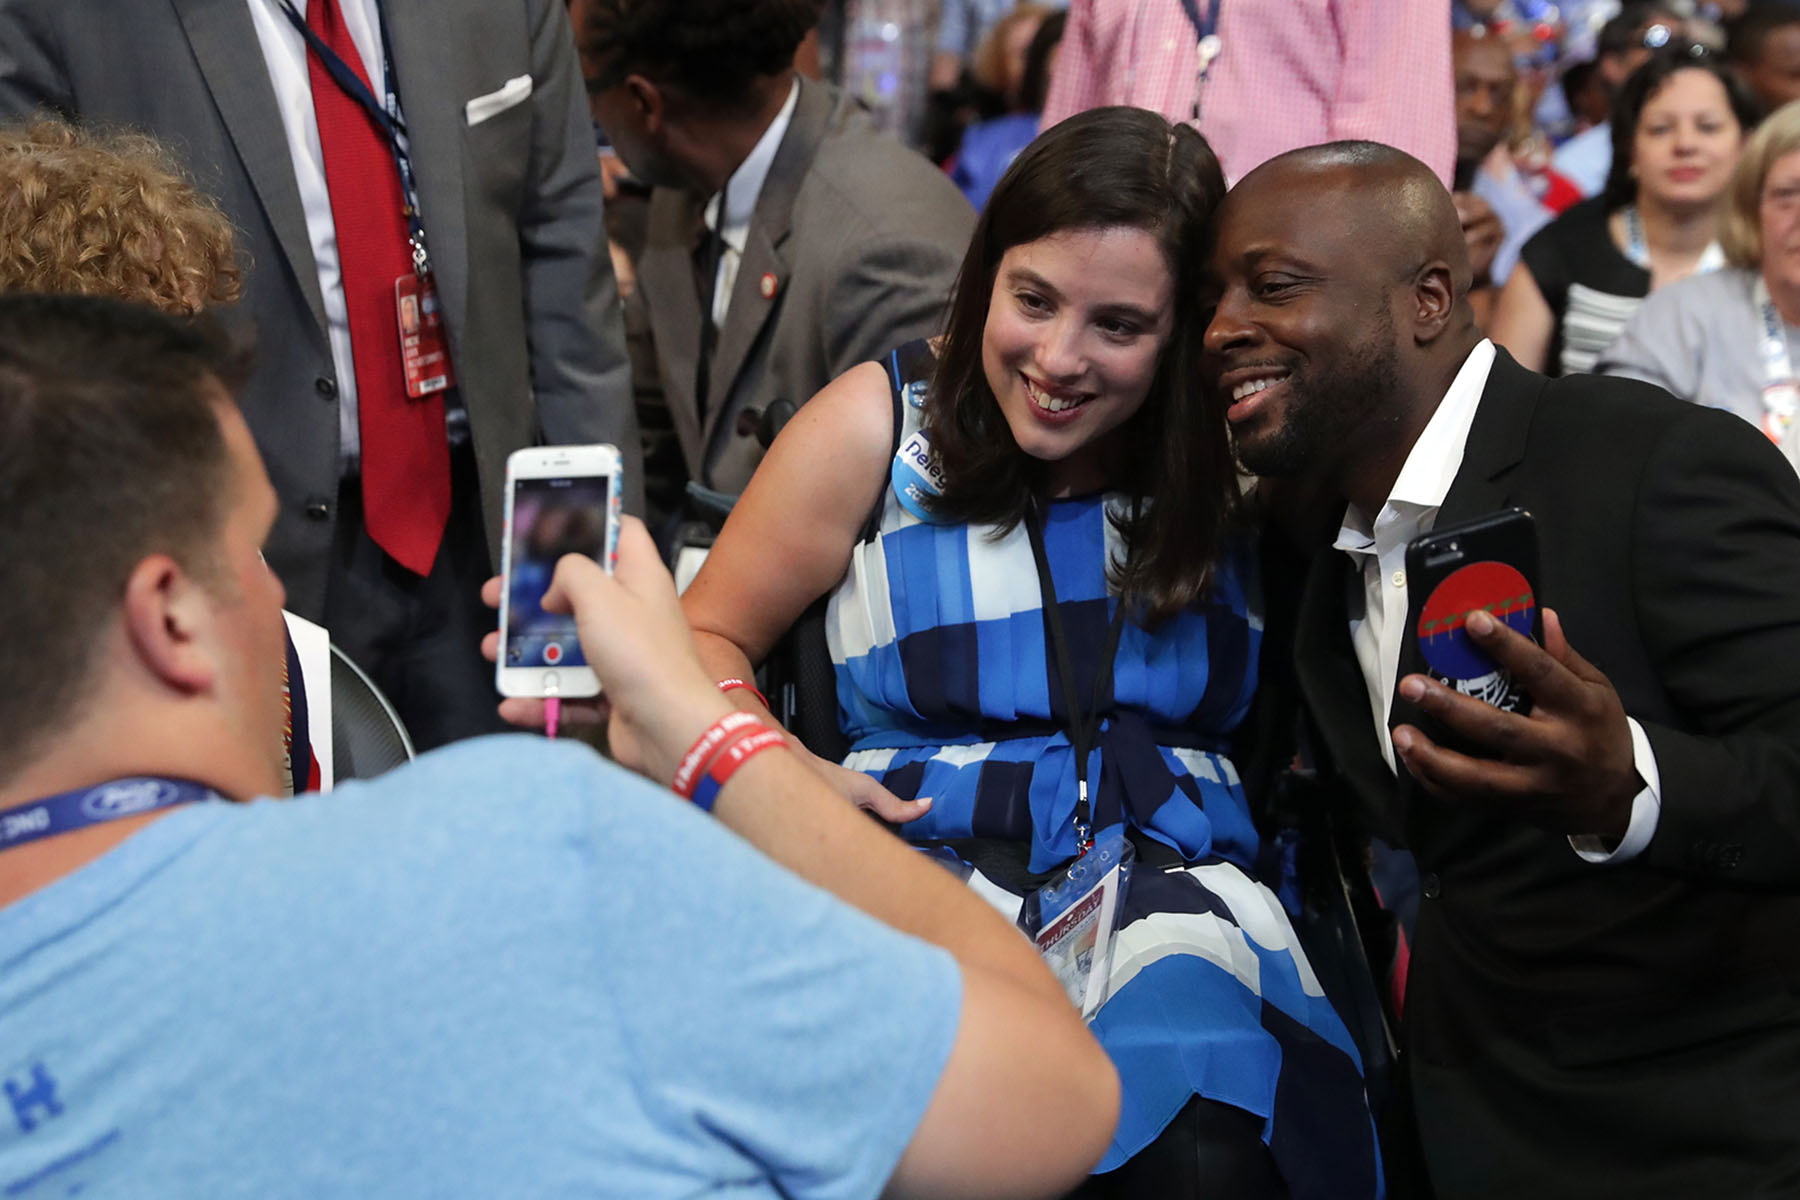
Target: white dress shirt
[284,51]
[741,194]
[1378,614]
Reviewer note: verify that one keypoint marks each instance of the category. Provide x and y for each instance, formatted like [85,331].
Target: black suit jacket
[1624,1030]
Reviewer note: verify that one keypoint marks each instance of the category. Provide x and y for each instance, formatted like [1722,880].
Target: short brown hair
[1740,229]
[110,450]
[108,213]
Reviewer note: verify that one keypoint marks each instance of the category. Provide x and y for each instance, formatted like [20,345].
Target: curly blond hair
[109,213]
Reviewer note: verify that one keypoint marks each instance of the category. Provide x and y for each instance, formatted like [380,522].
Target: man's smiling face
[1303,344]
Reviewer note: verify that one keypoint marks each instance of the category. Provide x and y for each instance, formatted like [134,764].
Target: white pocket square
[512,92]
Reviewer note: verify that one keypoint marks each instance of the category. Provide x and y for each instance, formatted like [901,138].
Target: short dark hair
[1575,80]
[711,50]
[1625,31]
[1101,168]
[1744,37]
[1645,82]
[110,450]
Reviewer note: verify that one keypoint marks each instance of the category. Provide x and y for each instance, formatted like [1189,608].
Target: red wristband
[704,747]
[725,685]
[726,762]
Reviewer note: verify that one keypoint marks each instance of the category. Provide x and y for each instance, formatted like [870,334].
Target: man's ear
[168,618]
[652,106]
[1433,300]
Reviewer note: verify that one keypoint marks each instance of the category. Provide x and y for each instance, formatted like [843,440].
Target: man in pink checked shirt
[1265,78]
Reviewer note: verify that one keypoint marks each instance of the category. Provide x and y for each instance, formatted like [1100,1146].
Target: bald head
[1341,280]
[1392,203]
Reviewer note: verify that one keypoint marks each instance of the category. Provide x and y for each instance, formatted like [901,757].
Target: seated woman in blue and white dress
[1029,530]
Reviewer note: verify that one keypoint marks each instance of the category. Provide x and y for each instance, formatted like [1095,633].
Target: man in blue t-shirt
[510,968]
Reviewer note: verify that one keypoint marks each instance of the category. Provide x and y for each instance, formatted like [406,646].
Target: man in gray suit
[501,151]
[788,239]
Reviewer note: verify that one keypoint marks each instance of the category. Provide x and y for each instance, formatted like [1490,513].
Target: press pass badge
[1073,918]
[423,353]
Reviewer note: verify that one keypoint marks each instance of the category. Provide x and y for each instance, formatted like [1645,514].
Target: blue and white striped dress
[944,688]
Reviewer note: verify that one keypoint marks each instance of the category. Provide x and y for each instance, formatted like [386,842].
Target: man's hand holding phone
[1567,767]
[658,697]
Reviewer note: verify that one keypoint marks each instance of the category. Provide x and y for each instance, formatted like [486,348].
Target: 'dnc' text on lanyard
[385,112]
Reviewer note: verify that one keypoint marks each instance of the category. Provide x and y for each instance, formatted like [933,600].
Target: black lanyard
[386,115]
[1084,725]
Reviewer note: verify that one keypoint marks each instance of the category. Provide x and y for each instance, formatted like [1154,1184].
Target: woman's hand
[865,793]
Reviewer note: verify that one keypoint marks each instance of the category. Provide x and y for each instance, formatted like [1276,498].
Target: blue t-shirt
[509,969]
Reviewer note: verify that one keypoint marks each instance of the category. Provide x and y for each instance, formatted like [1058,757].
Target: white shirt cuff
[1646,809]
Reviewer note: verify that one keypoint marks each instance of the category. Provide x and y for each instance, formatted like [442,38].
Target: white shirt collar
[1434,460]
[745,186]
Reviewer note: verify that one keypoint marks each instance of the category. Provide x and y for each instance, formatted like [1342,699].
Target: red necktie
[405,454]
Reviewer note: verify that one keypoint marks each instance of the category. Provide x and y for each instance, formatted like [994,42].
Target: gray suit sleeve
[891,289]
[580,375]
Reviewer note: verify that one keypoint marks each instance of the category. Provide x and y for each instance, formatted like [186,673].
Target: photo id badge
[423,352]
[1072,919]
[1780,401]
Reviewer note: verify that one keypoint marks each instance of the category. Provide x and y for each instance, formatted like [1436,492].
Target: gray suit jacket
[511,203]
[853,249]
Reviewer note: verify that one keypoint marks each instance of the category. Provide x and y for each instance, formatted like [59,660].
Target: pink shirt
[1290,73]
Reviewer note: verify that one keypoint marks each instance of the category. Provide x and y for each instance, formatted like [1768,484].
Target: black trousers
[420,638]
[1209,1150]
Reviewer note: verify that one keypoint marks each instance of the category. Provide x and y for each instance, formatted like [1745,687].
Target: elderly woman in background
[1728,339]
[1678,126]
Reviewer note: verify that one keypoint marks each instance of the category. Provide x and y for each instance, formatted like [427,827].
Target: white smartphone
[559,500]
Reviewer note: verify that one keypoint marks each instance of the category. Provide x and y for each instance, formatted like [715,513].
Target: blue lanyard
[1206,44]
[386,115]
[1203,26]
[112,801]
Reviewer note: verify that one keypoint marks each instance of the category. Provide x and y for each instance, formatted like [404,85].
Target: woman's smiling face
[1076,327]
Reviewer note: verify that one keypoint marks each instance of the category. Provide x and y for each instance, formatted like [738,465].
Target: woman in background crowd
[988,147]
[1728,339]
[1029,533]
[1677,129]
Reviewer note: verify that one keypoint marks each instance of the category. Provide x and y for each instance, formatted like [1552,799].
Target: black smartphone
[1490,564]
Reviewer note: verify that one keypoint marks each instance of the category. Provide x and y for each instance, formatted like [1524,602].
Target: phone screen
[550,518]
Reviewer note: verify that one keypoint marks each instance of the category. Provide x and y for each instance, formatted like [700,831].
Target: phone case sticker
[1495,587]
